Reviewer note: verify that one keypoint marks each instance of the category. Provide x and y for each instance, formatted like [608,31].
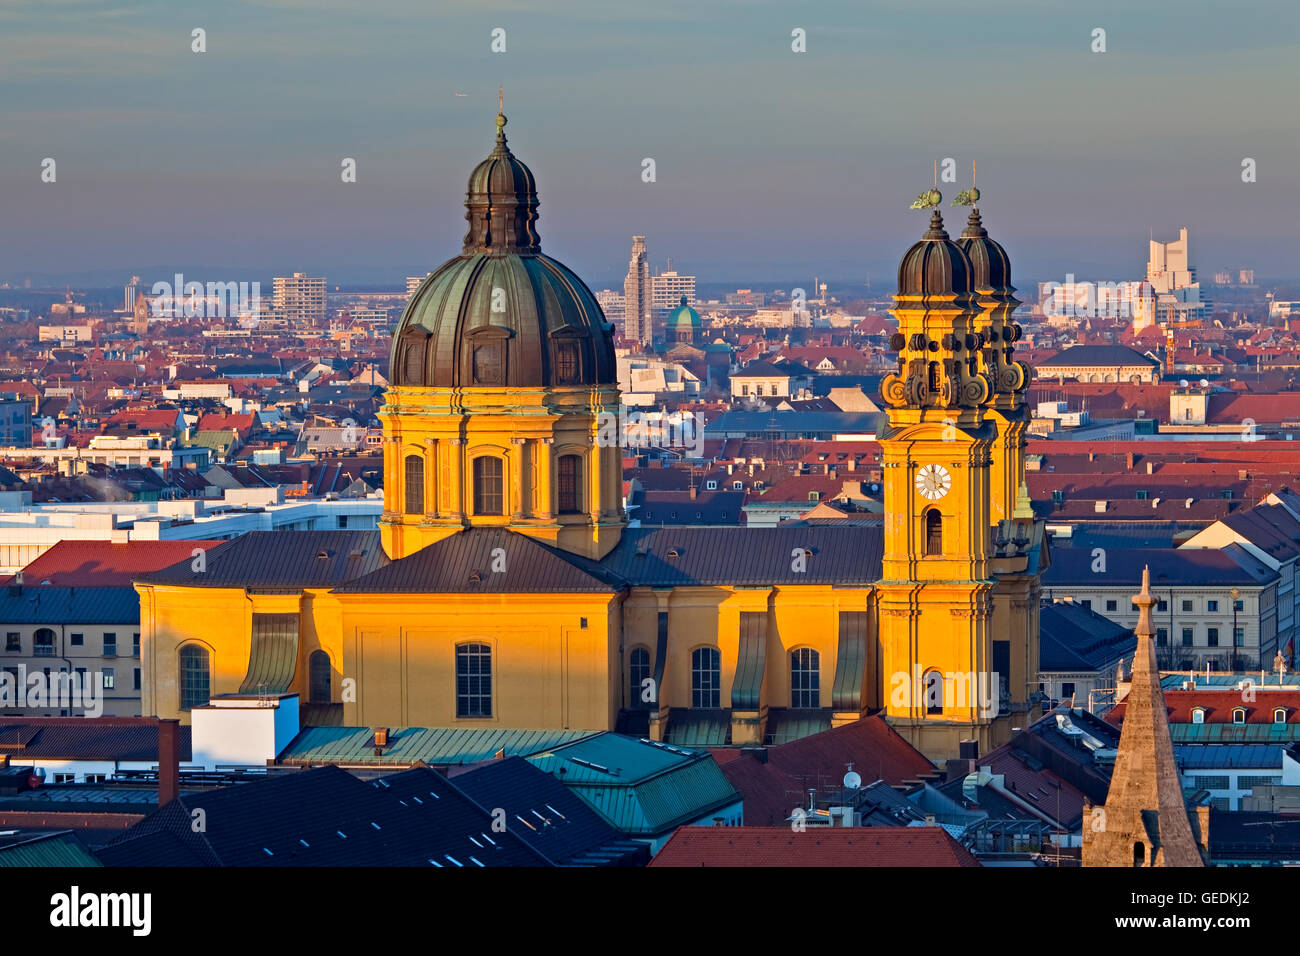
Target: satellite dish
[852,780]
[1204,383]
[1182,383]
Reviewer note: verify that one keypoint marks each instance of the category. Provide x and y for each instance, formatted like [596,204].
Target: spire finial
[501,99]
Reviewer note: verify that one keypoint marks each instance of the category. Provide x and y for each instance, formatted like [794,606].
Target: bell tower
[1019,554]
[936,592]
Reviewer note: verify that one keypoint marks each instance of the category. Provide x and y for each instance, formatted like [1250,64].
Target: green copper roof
[641,787]
[683,317]
[432,745]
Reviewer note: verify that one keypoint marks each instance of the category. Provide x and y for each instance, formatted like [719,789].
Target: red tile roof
[1219,705]
[103,564]
[771,790]
[817,846]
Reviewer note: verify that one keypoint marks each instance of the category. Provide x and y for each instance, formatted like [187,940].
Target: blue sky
[771,165]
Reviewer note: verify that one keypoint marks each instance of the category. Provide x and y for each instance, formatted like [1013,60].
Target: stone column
[516,485]
[545,498]
[455,483]
[431,478]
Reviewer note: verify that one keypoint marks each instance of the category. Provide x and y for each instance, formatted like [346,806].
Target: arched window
[416,344]
[805,678]
[934,692]
[1239,715]
[1198,715]
[1139,853]
[638,671]
[706,677]
[473,680]
[933,533]
[1279,715]
[195,677]
[488,496]
[569,486]
[43,642]
[414,479]
[319,669]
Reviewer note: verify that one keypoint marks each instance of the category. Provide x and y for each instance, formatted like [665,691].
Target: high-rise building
[667,289]
[1246,277]
[129,292]
[612,303]
[300,298]
[1178,293]
[638,307]
[413,283]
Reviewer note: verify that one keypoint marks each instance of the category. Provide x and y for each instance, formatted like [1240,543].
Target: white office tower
[1173,280]
[300,298]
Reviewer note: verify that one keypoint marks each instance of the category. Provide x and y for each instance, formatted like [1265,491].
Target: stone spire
[1144,821]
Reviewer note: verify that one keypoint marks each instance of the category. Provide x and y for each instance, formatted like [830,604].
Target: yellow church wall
[221,621]
[548,671]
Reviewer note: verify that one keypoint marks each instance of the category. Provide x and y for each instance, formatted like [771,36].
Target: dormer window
[487,364]
[1198,715]
[1239,715]
[1279,715]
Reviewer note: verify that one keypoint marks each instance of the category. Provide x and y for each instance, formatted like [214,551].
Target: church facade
[505,590]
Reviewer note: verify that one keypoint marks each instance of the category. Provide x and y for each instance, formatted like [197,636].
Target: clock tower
[936,591]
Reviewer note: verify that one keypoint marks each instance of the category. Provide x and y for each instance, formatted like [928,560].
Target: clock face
[933,481]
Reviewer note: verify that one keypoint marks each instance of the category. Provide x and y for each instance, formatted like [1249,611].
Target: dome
[990,266]
[935,265]
[502,313]
[683,318]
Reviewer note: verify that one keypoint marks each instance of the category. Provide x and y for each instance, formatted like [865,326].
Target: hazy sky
[771,165]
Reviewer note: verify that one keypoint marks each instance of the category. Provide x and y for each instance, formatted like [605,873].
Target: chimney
[968,749]
[1128,460]
[694,492]
[169,760]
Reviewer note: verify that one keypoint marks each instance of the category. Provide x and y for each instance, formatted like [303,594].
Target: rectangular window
[77,640]
[1212,637]
[1239,636]
[1187,606]
[135,679]
[65,778]
[488,497]
[1211,606]
[473,680]
[13,641]
[109,680]
[135,644]
[1087,603]
[1239,605]
[1112,605]
[1162,636]
[569,490]
[414,485]
[1187,637]
[1162,605]
[110,644]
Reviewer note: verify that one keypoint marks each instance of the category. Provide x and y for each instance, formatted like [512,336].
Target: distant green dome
[683,319]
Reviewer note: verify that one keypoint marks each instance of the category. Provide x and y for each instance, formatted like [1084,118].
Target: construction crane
[1169,327]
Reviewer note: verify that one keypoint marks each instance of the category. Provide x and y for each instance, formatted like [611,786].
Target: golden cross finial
[936,174]
[501,99]
[972,172]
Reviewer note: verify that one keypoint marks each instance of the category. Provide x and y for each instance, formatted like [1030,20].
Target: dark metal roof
[1180,567]
[486,561]
[546,815]
[755,557]
[46,604]
[1075,638]
[280,559]
[80,738]
[934,265]
[1101,356]
[324,817]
